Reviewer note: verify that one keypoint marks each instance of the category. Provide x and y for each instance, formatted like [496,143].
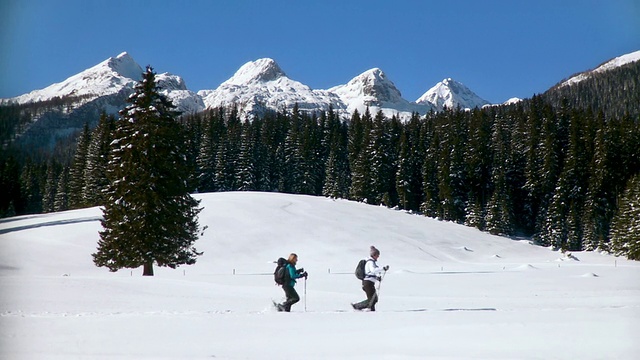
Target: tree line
[558,174]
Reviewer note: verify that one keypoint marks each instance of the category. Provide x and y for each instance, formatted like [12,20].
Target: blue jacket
[293,274]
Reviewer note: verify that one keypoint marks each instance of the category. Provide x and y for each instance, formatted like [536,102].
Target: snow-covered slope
[261,84]
[373,89]
[451,292]
[452,94]
[611,64]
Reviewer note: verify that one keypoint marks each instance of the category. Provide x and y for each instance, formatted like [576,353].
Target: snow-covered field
[452,292]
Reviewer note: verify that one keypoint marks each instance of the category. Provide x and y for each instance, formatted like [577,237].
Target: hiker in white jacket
[372,273]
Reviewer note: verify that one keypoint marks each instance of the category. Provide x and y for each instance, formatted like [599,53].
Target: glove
[300,271]
[304,275]
[378,278]
[385,268]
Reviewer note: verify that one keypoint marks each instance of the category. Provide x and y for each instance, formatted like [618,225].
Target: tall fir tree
[379,151]
[430,205]
[95,171]
[149,216]
[61,202]
[51,184]
[76,172]
[360,137]
[545,178]
[499,210]
[599,201]
[625,227]
[337,173]
[206,158]
[30,188]
[245,172]
[478,163]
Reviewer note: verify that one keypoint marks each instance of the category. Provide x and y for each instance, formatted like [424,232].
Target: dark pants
[372,298]
[292,297]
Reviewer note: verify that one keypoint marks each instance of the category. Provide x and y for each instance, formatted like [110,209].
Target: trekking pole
[377,294]
[380,284]
[305,294]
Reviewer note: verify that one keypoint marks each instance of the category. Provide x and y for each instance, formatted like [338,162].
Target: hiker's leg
[372,298]
[292,297]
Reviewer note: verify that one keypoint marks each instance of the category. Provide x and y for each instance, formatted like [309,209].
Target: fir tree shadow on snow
[50,223]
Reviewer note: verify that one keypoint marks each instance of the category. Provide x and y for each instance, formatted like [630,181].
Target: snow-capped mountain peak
[374,90]
[109,78]
[124,65]
[105,78]
[372,86]
[452,94]
[261,70]
[260,85]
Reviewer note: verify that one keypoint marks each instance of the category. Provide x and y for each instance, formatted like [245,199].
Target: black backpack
[280,274]
[360,269]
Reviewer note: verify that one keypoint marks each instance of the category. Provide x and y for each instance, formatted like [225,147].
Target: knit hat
[374,251]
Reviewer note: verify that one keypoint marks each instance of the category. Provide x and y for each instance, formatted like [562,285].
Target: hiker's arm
[293,273]
[373,270]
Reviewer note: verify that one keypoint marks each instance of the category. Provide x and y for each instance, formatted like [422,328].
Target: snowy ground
[452,292]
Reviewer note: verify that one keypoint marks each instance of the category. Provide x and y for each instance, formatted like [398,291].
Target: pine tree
[379,151]
[598,204]
[30,188]
[546,177]
[563,227]
[534,162]
[61,202]
[478,163]
[412,171]
[97,159]
[245,172]
[625,227]
[404,173]
[76,172]
[451,171]
[311,156]
[499,210]
[149,216]
[10,185]
[206,159]
[232,155]
[292,171]
[49,195]
[361,177]
[338,175]
[430,205]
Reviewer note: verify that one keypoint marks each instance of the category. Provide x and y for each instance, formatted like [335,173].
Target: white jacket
[372,270]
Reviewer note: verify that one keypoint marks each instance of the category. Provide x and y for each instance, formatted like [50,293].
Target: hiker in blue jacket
[288,286]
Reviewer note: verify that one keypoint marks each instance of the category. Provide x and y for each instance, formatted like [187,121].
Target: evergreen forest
[559,167]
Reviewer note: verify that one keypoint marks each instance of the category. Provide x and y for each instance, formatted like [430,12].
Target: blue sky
[499,49]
